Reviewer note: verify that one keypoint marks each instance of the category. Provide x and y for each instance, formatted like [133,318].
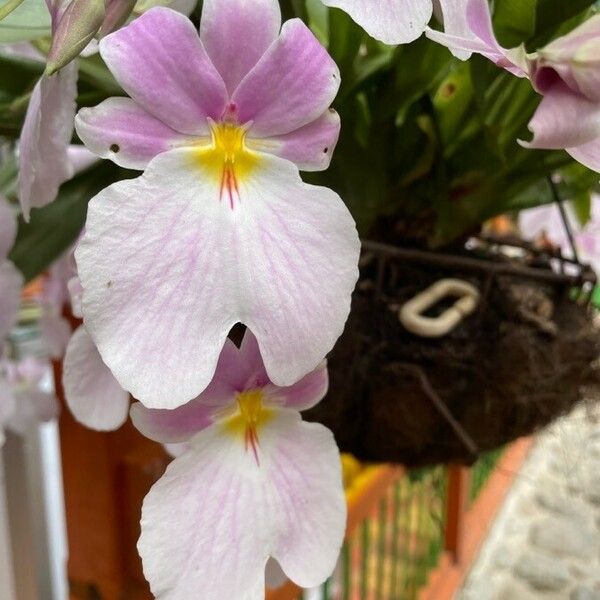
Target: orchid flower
[401,21]
[255,482]
[566,73]
[11,280]
[23,402]
[220,228]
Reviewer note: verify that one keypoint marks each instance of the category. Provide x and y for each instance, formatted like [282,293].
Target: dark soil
[521,360]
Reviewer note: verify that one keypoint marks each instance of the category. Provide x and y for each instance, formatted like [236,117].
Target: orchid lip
[227,157]
[250,416]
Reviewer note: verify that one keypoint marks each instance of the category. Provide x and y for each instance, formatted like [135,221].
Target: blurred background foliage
[428,149]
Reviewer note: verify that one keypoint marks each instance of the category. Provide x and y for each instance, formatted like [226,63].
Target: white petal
[92,393]
[168,266]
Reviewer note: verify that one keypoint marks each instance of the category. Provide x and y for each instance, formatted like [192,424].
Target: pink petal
[8,227]
[310,147]
[274,575]
[587,154]
[122,131]
[92,393]
[80,157]
[172,426]
[454,14]
[292,85]
[237,33]
[305,394]
[389,21]
[160,62]
[575,57]
[11,282]
[280,258]
[43,159]
[56,332]
[472,31]
[564,119]
[214,518]
[75,294]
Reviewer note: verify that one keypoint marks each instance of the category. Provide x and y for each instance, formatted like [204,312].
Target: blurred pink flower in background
[11,280]
[23,401]
[545,221]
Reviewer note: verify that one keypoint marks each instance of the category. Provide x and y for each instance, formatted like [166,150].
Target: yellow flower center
[250,416]
[228,159]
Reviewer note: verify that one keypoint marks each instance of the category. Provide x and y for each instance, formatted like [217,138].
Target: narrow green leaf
[8,7]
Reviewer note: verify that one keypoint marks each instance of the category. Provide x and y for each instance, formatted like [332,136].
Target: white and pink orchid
[220,228]
[23,401]
[255,482]
[566,73]
[11,280]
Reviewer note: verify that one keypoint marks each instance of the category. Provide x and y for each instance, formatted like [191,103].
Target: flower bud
[117,13]
[76,28]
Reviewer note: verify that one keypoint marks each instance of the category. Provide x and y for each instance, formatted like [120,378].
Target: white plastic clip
[411,313]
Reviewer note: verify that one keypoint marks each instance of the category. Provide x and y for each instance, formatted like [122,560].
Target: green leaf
[8,7]
[515,21]
[55,227]
[31,20]
[552,13]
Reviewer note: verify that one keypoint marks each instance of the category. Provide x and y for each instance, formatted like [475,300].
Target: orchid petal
[8,227]
[11,282]
[55,331]
[454,14]
[75,292]
[587,154]
[291,85]
[43,159]
[280,258]
[274,575]
[121,130]
[293,500]
[80,158]
[237,33]
[160,62]
[310,147]
[564,119]
[172,426]
[389,21]
[304,394]
[92,393]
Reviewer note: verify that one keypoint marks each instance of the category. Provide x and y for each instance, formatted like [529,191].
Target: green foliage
[28,21]
[55,227]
